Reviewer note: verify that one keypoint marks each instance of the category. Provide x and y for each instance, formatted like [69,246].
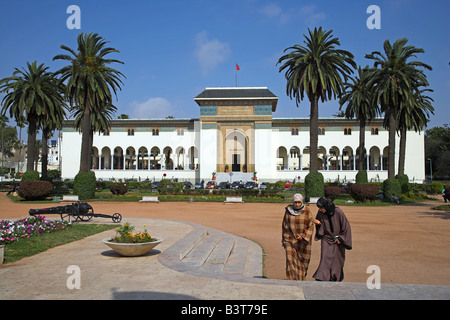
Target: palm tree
[316,69]
[3,121]
[360,106]
[100,122]
[414,116]
[89,84]
[31,93]
[393,81]
[21,123]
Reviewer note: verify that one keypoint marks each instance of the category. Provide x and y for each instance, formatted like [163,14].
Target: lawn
[27,247]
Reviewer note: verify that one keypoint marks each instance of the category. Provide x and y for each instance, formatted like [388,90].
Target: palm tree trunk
[391,141]
[362,136]
[85,137]
[31,143]
[44,160]
[313,134]
[402,155]
[91,143]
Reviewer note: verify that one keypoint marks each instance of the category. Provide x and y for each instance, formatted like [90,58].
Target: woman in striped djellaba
[297,230]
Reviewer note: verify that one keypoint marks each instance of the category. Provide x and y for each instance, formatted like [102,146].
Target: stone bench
[69,198]
[313,200]
[234,200]
[149,199]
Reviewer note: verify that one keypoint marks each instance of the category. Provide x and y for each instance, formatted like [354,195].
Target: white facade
[236,128]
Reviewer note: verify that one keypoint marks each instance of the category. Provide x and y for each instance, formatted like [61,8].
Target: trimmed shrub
[118,189]
[436,187]
[314,185]
[332,192]
[361,177]
[391,187]
[84,185]
[404,181]
[30,176]
[363,192]
[35,190]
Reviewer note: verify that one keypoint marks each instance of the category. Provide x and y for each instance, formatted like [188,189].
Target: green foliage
[361,177]
[84,185]
[314,185]
[391,187]
[30,176]
[35,190]
[436,187]
[363,192]
[404,182]
[53,174]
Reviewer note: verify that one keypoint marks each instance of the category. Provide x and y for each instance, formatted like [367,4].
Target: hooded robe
[298,251]
[333,223]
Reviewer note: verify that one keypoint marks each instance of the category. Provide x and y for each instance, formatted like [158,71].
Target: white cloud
[210,53]
[311,16]
[152,108]
[273,11]
[308,14]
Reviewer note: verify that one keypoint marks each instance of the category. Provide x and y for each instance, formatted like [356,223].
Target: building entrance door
[236,165]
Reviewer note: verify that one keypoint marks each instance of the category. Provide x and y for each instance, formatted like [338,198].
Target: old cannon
[82,211]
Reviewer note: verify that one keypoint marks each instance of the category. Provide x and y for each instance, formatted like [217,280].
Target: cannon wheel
[68,216]
[87,216]
[116,217]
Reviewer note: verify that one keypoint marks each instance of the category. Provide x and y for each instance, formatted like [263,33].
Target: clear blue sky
[174,49]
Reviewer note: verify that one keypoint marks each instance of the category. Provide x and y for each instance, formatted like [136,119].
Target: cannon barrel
[71,209]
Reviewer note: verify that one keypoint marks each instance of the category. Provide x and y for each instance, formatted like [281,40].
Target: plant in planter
[226,168]
[128,244]
[214,176]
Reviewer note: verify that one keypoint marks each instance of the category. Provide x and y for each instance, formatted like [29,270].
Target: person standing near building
[334,232]
[297,230]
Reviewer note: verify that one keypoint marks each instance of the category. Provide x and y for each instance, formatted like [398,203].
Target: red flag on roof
[237,67]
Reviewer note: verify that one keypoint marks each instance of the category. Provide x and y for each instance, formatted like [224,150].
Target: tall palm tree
[393,81]
[21,123]
[31,93]
[100,122]
[360,105]
[414,116]
[316,69]
[89,83]
[3,121]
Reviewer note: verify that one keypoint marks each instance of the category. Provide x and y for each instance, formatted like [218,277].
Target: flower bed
[12,231]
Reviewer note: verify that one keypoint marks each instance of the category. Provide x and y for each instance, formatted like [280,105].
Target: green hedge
[84,185]
[391,187]
[314,185]
[361,177]
[404,182]
[30,176]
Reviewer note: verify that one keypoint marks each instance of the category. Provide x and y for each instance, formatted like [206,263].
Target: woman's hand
[316,222]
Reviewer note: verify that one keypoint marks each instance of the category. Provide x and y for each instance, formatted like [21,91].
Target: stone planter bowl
[132,249]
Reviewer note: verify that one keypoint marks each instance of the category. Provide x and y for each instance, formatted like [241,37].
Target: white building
[236,128]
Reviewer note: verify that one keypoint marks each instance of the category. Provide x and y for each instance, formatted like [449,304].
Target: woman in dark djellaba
[334,232]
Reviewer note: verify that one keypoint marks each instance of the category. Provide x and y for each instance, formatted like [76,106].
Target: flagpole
[236,73]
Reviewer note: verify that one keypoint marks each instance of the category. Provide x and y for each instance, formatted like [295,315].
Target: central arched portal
[235,150]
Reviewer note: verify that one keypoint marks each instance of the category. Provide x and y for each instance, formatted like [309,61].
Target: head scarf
[297,197]
[292,210]
[329,206]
